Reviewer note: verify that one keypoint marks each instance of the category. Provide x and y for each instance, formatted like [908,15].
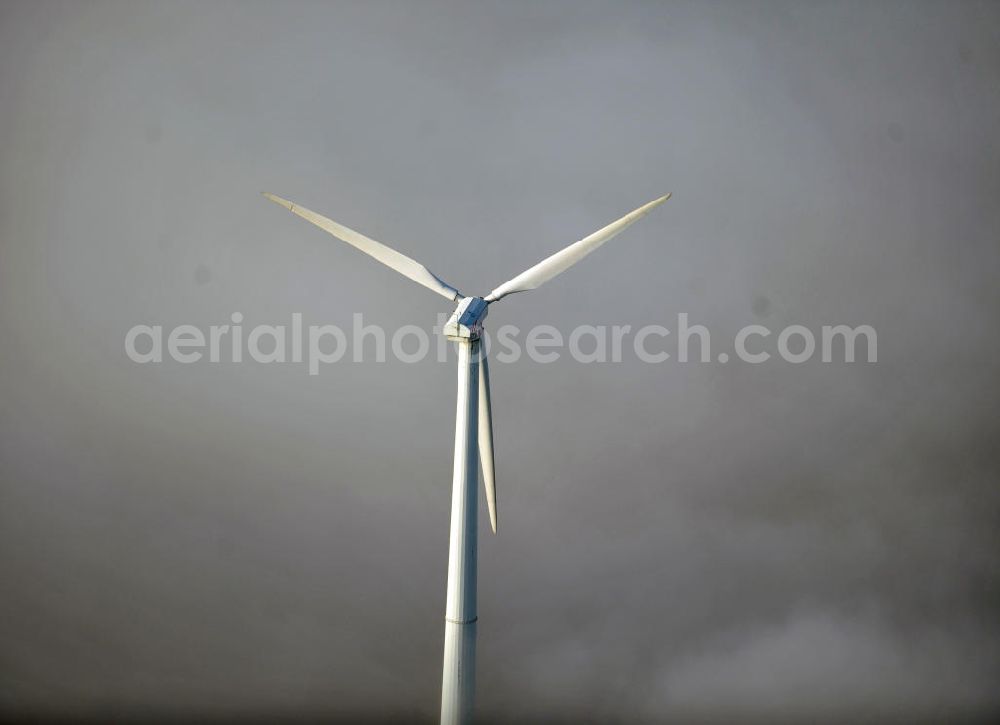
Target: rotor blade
[486,439]
[386,255]
[566,258]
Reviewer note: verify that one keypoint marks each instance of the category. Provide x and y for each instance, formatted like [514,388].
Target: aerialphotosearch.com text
[319,345]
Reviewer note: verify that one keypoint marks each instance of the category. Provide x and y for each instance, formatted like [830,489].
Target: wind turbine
[473,431]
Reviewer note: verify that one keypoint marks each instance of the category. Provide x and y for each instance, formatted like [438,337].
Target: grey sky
[712,541]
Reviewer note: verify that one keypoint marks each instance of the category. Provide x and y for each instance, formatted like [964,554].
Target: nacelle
[466,322]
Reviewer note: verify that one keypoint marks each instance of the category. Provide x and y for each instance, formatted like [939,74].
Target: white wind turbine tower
[473,431]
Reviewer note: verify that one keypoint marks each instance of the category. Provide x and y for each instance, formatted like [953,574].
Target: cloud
[828,665]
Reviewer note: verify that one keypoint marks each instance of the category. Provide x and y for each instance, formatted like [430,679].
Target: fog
[678,541]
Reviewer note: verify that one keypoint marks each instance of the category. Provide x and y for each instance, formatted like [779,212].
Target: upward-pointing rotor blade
[386,255]
[486,439]
[566,258]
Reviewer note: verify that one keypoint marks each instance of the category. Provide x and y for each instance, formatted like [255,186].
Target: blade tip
[277,199]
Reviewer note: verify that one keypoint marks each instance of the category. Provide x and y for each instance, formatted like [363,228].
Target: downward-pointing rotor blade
[486,439]
[566,258]
[386,255]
